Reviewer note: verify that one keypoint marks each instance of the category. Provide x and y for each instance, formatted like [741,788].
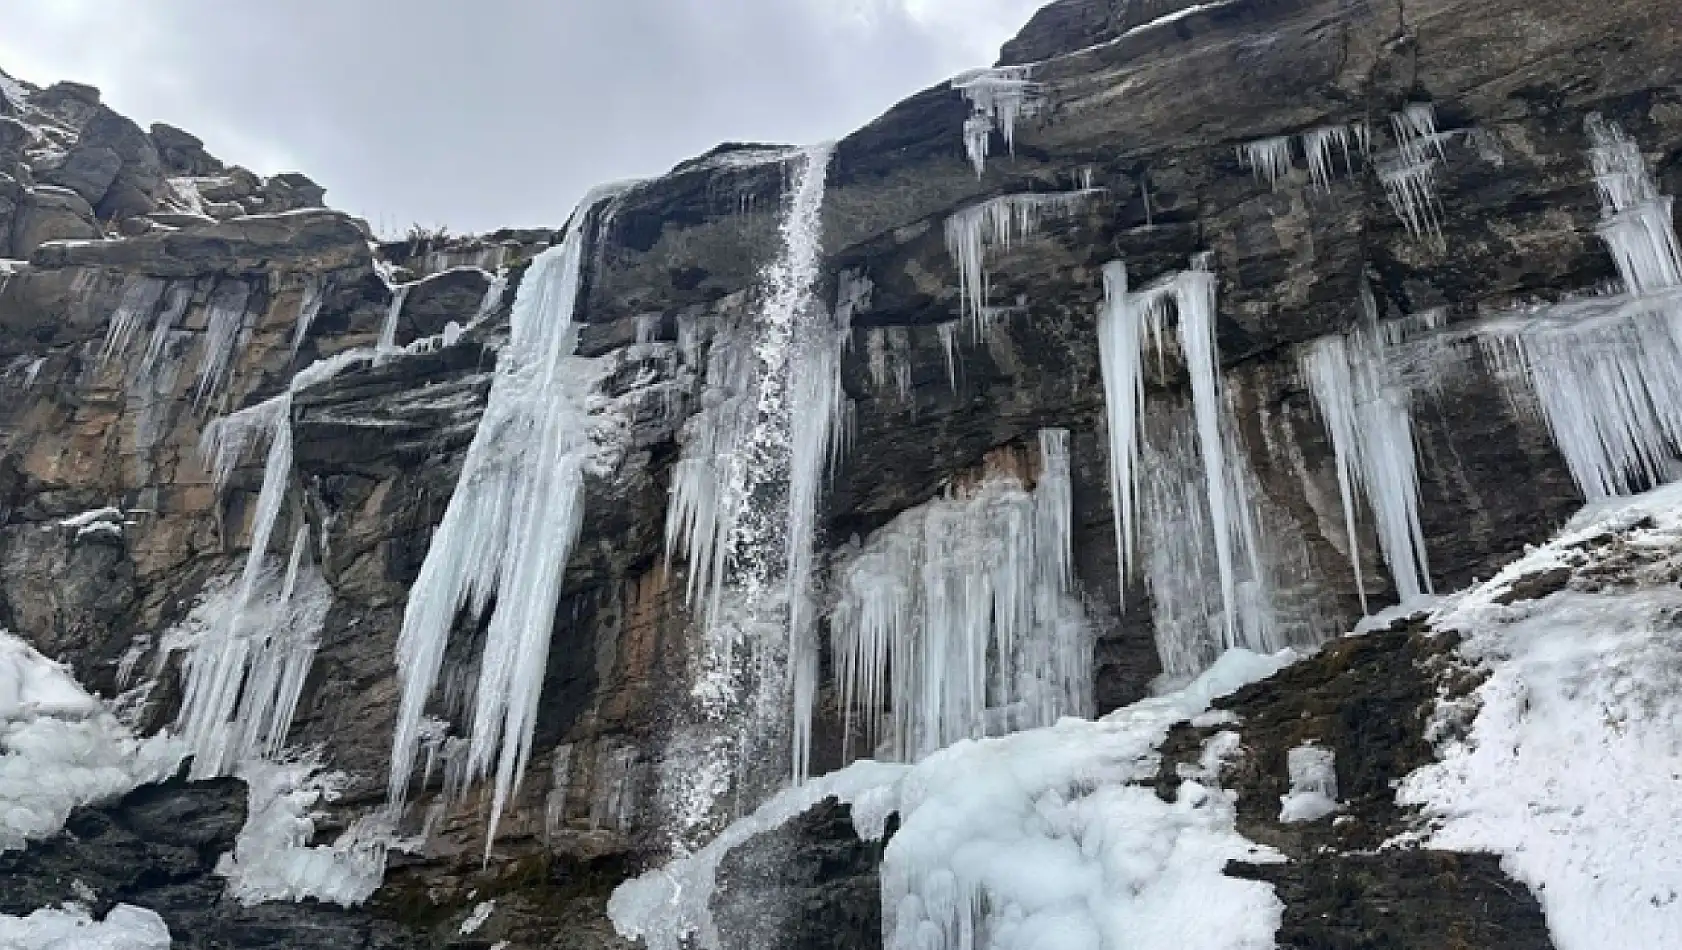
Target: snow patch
[72,927]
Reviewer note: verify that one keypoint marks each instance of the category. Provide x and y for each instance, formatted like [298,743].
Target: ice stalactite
[1410,176]
[1130,326]
[224,336]
[1318,145]
[309,307]
[1268,158]
[999,98]
[139,301]
[393,313]
[507,534]
[959,617]
[744,499]
[180,296]
[1367,414]
[998,223]
[1602,370]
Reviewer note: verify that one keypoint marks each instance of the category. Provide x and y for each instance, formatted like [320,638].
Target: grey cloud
[503,112]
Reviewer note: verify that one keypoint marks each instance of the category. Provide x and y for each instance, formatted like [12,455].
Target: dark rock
[438,300]
[113,165]
[249,246]
[182,153]
[809,885]
[46,214]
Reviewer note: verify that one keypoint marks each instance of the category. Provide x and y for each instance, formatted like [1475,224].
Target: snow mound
[72,928]
[1572,768]
[60,748]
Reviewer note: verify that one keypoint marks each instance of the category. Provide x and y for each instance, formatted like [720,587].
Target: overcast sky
[485,113]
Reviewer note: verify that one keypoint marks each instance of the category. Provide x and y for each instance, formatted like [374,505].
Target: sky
[478,114]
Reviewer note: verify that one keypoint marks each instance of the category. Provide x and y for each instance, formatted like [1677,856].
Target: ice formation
[125,927]
[1130,326]
[1268,158]
[1052,837]
[1410,176]
[388,327]
[139,300]
[273,859]
[1313,793]
[1602,370]
[224,335]
[742,512]
[1569,768]
[60,748]
[507,534]
[309,307]
[180,296]
[999,223]
[1366,413]
[1317,144]
[959,617]
[999,99]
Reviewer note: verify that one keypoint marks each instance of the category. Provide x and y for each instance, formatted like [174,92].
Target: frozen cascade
[224,336]
[752,463]
[960,617]
[1130,324]
[1366,413]
[998,223]
[999,98]
[140,298]
[1603,369]
[1268,158]
[507,533]
[175,307]
[1317,144]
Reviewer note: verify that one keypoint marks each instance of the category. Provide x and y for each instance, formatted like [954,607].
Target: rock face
[1145,103]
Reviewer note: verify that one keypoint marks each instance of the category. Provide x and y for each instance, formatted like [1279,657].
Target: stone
[253,245]
[182,153]
[47,214]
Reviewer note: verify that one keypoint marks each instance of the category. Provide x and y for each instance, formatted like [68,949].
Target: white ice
[273,859]
[71,927]
[1268,158]
[1313,793]
[998,223]
[999,99]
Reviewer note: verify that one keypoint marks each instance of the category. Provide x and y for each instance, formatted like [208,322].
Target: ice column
[1366,414]
[507,534]
[1130,325]
[1636,221]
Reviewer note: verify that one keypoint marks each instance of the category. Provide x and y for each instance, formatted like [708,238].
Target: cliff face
[1146,107]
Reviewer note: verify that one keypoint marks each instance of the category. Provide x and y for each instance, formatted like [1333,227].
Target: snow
[999,98]
[508,533]
[959,616]
[272,858]
[1130,325]
[998,223]
[60,748]
[72,928]
[1570,768]
[1366,412]
[1044,838]
[1313,793]
[476,920]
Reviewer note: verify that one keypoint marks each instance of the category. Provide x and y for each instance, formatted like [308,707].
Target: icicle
[1366,414]
[388,329]
[1000,98]
[1268,158]
[1636,221]
[138,303]
[1317,145]
[507,534]
[1128,323]
[949,345]
[1000,223]
[965,604]
[1410,178]
[224,336]
[315,294]
[175,307]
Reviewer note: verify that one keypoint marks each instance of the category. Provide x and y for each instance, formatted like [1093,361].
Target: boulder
[47,214]
[182,153]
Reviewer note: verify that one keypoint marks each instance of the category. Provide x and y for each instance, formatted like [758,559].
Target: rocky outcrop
[1152,110]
